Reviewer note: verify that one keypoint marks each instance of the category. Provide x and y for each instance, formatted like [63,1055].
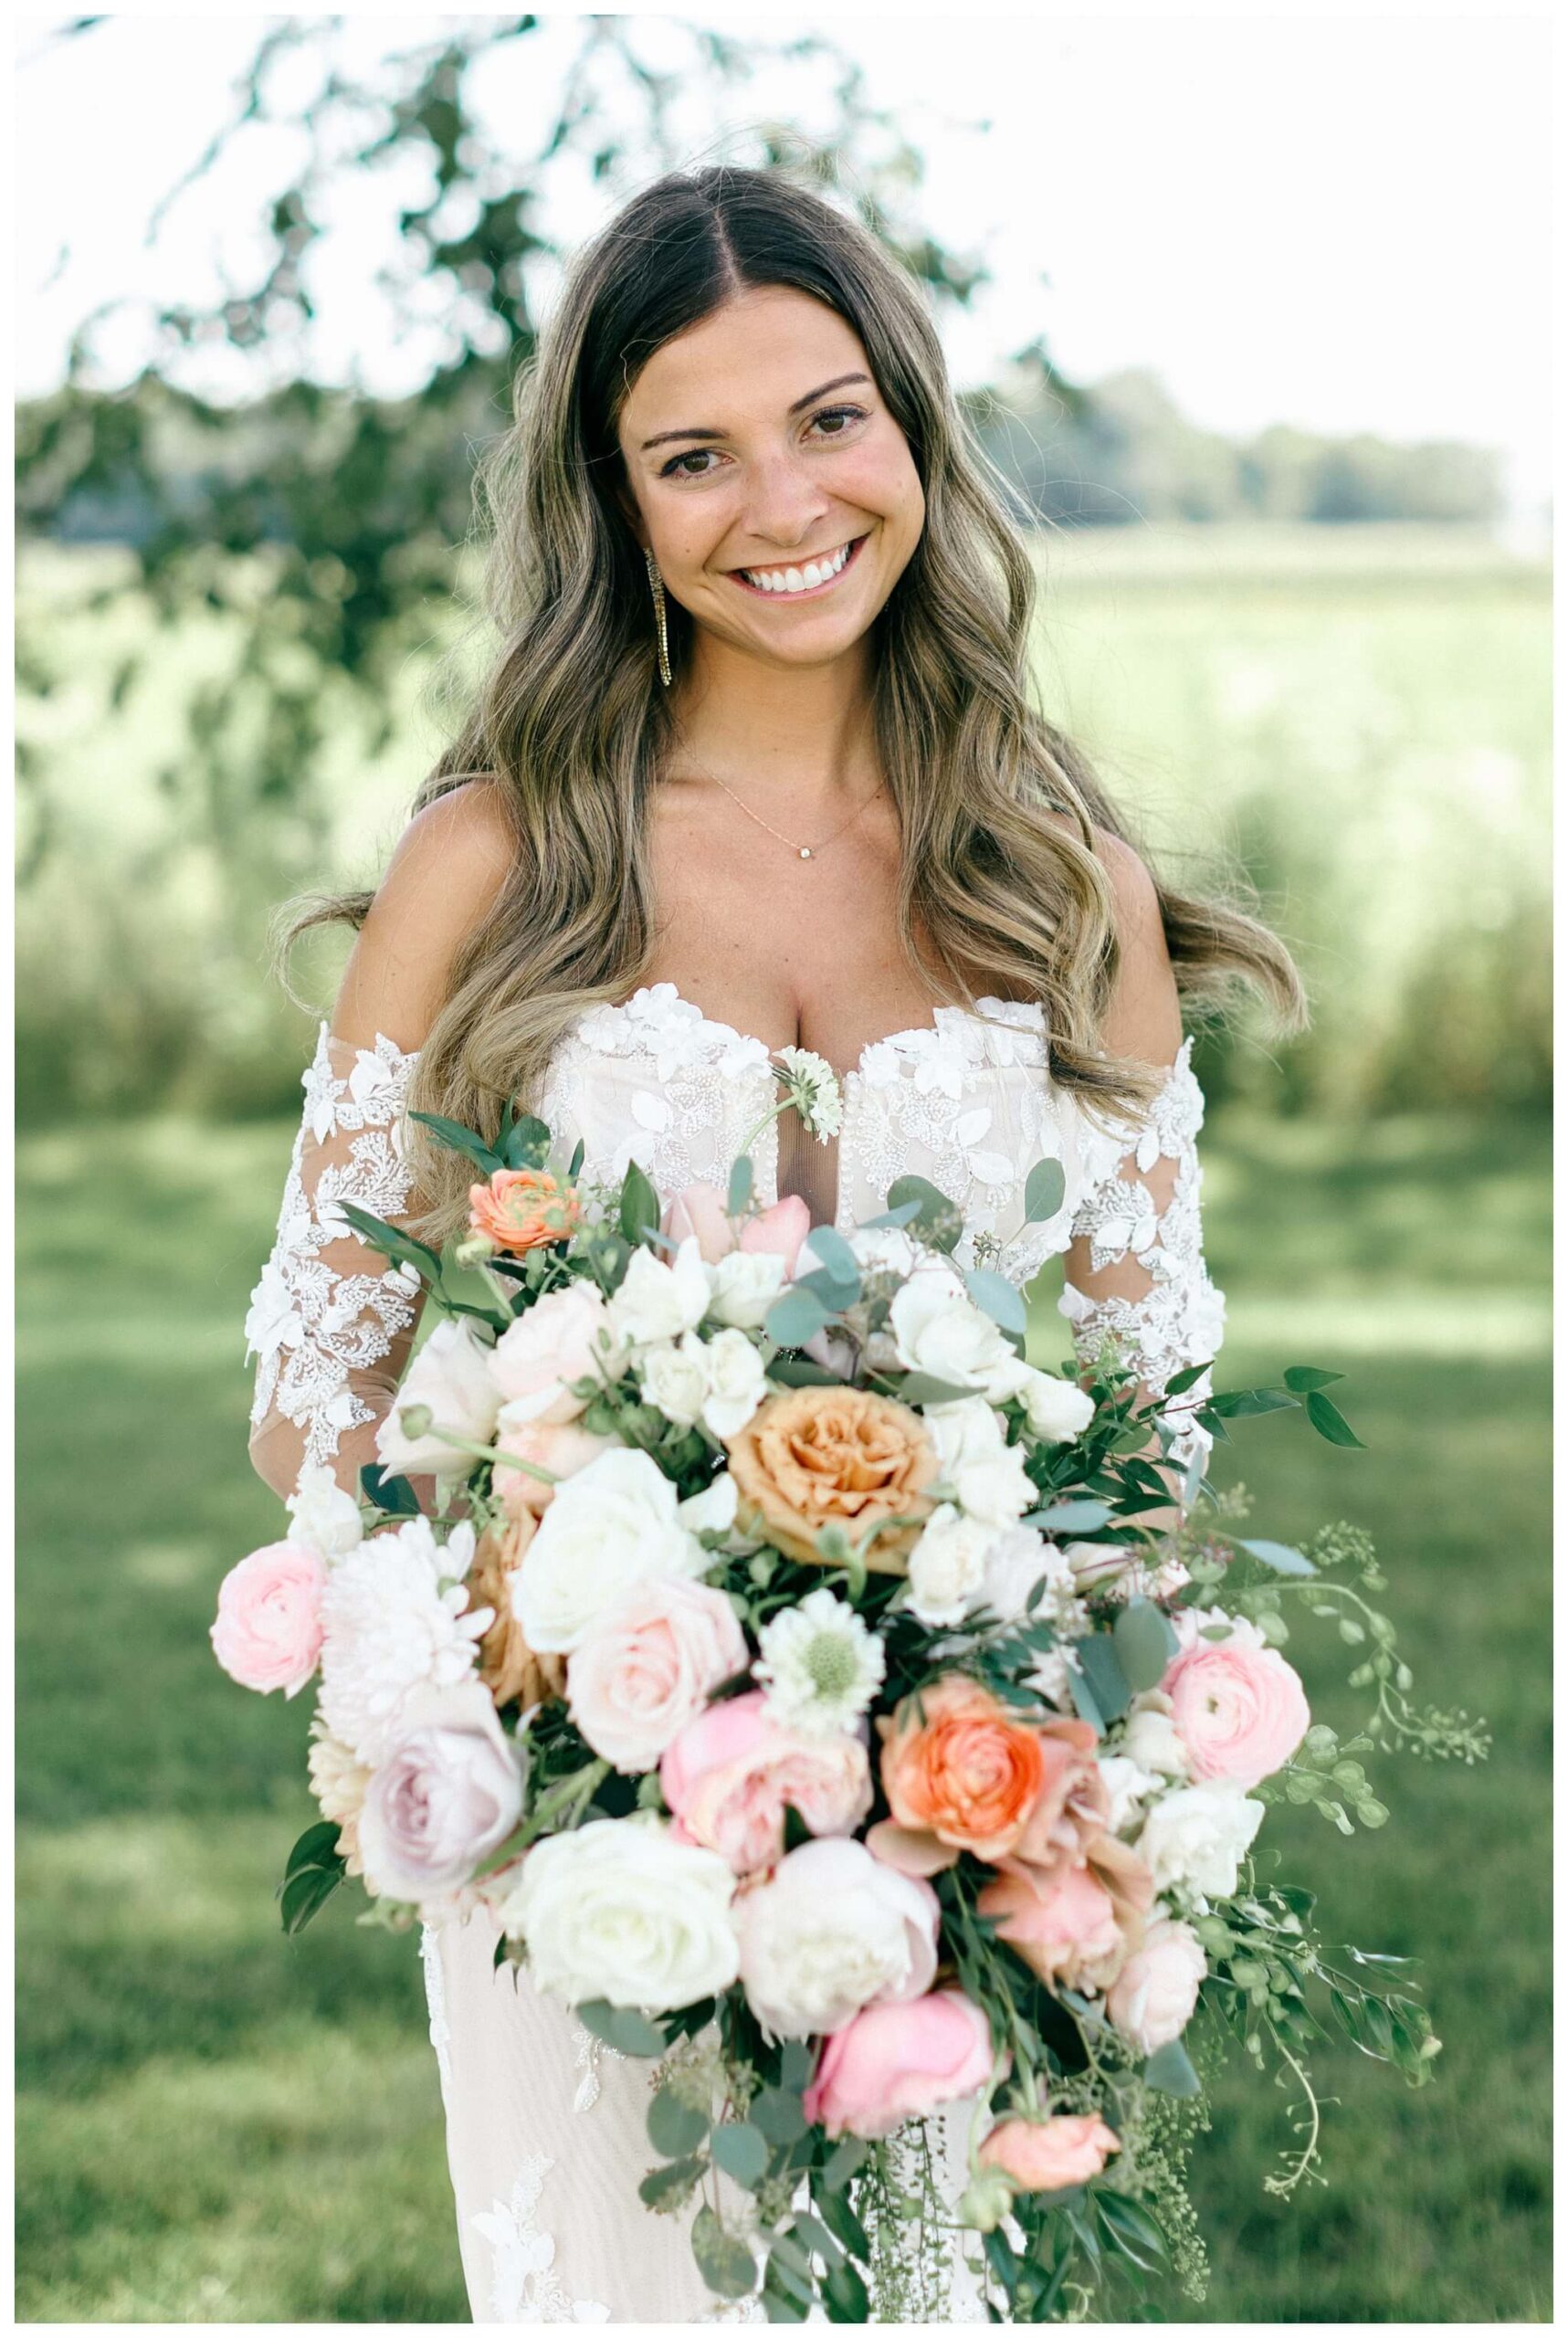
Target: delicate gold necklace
[801,851]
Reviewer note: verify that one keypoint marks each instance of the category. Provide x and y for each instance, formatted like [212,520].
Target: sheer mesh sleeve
[1135,1266]
[331,1321]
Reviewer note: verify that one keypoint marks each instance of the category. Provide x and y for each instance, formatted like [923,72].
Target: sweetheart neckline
[913,1033]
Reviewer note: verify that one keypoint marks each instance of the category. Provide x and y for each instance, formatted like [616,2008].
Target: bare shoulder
[1143,1017]
[448,865]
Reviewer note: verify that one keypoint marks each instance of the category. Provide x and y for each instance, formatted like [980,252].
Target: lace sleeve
[331,1321]
[1135,1267]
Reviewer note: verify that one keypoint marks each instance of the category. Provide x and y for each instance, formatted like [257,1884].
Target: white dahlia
[394,1615]
[820,1665]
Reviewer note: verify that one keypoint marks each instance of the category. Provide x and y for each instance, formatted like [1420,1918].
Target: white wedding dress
[545,2134]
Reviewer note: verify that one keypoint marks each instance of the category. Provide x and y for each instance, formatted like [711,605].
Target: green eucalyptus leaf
[999,1299]
[925,1388]
[1045,1188]
[723,2259]
[1101,1667]
[797,2062]
[626,2030]
[740,1192]
[843,2161]
[803,1372]
[672,2177]
[673,2128]
[794,1318]
[936,1220]
[1071,1518]
[1170,2071]
[833,1256]
[779,2116]
[1145,1642]
[741,2151]
[1277,1555]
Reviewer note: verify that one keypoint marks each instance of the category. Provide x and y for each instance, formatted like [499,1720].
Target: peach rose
[811,1457]
[895,2063]
[730,1774]
[508,1666]
[1062,1921]
[699,1209]
[520,1209]
[1074,1804]
[1239,1711]
[648,1665]
[554,1341]
[561,1447]
[1048,2155]
[267,1633]
[960,1773]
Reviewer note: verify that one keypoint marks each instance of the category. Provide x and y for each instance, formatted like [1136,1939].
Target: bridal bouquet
[841,1713]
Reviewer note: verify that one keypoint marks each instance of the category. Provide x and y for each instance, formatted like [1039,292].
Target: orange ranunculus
[519,1209]
[811,1457]
[960,1773]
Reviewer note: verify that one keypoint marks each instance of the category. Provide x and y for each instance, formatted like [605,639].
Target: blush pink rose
[1152,1997]
[1048,2155]
[731,1772]
[699,1209]
[648,1665]
[1062,1921]
[895,2063]
[561,1447]
[267,1630]
[555,1341]
[1240,1711]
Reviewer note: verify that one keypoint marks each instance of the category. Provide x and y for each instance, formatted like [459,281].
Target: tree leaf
[779,2116]
[393,1494]
[724,2261]
[1303,1378]
[925,1388]
[462,1140]
[1045,1188]
[306,1892]
[316,1847]
[639,1204]
[843,2161]
[834,1256]
[1071,1518]
[1330,1422]
[844,2292]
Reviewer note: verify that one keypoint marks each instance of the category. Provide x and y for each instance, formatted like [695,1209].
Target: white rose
[937,1328]
[557,1340]
[947,1565]
[744,1285]
[1057,1410]
[1128,1786]
[675,1380]
[620,1909]
[649,1665]
[615,1523]
[1095,1564]
[326,1516]
[832,1931]
[448,1794]
[1196,1837]
[711,1512]
[451,1375]
[737,1383]
[1152,1997]
[987,1473]
[657,1301]
[1018,1557]
[885,1250]
[1150,1736]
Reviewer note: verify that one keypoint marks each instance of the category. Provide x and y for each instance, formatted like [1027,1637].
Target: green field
[216,2125]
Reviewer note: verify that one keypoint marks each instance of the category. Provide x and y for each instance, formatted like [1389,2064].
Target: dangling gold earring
[657,581]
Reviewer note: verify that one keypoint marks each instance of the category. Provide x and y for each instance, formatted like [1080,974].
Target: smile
[802,583]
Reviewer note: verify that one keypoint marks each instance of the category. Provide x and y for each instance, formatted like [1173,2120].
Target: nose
[786,505]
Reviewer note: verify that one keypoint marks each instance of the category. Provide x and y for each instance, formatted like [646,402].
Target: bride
[755,767]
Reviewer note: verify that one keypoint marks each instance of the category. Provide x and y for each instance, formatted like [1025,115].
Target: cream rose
[675,1380]
[937,1328]
[1150,1736]
[1152,2000]
[656,1301]
[1057,1410]
[1197,1837]
[987,1473]
[620,1909]
[744,1285]
[562,1448]
[834,1930]
[737,1383]
[647,1666]
[947,1567]
[556,1341]
[615,1523]
[448,1794]
[451,1375]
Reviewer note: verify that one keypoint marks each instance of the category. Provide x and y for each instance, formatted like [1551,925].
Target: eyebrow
[839,382]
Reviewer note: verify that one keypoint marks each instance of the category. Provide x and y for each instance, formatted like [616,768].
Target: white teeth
[798,580]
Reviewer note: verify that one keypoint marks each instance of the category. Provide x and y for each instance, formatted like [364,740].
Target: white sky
[1331,219]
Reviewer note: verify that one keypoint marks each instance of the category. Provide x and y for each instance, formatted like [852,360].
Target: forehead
[748,360]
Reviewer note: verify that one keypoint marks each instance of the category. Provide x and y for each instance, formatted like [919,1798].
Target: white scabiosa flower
[820,1665]
[811,1085]
[394,1615]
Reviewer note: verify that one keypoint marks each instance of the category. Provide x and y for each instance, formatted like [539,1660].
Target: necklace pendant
[806,852]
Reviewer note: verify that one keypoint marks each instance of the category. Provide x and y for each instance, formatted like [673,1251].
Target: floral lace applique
[524,2284]
[588,2052]
[315,1320]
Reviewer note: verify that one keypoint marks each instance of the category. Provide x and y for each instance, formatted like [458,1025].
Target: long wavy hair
[572,726]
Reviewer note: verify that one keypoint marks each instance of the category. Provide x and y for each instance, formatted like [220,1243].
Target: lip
[814,591]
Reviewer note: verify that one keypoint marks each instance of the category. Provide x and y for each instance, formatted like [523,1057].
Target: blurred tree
[351,504]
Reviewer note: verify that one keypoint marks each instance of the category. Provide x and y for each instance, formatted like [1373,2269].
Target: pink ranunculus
[648,1665]
[561,1447]
[730,1774]
[895,2063]
[267,1630]
[554,1342]
[1240,1711]
[1062,1921]
[699,1209]
[1048,2155]
[1152,2000]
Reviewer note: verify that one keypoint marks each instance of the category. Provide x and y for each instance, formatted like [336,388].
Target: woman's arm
[1135,1266]
[331,1321]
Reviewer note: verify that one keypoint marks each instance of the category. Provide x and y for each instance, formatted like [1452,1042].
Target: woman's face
[771,449]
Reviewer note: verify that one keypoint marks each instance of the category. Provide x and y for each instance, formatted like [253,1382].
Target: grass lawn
[218,2124]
